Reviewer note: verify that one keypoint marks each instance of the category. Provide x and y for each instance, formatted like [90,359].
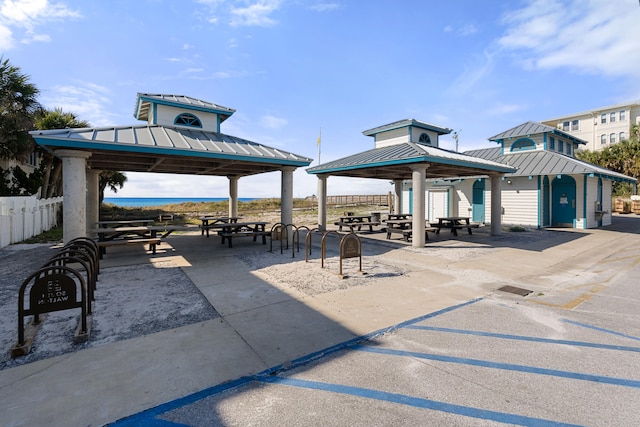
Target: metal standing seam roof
[406,123]
[165,149]
[395,161]
[533,128]
[542,162]
[145,100]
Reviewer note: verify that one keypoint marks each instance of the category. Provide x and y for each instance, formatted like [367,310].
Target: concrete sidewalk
[263,326]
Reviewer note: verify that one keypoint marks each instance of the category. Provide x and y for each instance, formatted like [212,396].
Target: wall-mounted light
[509,181]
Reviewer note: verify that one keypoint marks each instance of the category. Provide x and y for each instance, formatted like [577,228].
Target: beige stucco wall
[591,128]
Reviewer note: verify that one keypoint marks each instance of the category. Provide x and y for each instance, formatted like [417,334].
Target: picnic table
[394,217]
[118,236]
[214,222]
[353,221]
[404,227]
[229,230]
[454,223]
[133,235]
[114,233]
[123,223]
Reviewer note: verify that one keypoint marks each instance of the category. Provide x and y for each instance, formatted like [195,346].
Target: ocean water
[137,202]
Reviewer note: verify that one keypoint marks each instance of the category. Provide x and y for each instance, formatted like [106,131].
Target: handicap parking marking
[502,366]
[597,328]
[525,338]
[402,399]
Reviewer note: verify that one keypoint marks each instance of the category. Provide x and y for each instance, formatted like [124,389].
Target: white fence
[22,217]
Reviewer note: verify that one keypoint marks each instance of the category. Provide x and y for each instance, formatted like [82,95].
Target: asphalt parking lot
[566,356]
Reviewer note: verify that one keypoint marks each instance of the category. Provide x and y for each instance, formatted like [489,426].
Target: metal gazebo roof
[532,128]
[539,162]
[395,161]
[165,149]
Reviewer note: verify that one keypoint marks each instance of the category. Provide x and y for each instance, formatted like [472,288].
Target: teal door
[477,201]
[563,192]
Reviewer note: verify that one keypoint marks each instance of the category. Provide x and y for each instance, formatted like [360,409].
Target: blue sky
[292,67]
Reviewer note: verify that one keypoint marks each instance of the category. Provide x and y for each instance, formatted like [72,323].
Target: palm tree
[112,179]
[51,166]
[17,104]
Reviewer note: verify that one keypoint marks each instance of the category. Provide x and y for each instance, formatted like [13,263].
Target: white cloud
[325,7]
[465,30]
[27,15]
[597,36]
[88,101]
[37,38]
[502,109]
[473,72]
[468,30]
[256,14]
[273,122]
[242,13]
[6,38]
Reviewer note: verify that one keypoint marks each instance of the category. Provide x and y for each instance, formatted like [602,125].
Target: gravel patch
[130,301]
[311,279]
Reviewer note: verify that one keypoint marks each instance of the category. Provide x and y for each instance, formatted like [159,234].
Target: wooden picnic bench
[353,221]
[152,241]
[353,225]
[209,222]
[394,217]
[454,224]
[407,233]
[243,229]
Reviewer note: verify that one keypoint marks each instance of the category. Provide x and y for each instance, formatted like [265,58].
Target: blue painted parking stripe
[346,344]
[503,366]
[526,338]
[147,418]
[597,328]
[402,399]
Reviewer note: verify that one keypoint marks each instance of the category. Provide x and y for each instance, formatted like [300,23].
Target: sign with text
[53,293]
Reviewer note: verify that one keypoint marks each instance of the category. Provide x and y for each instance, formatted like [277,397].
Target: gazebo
[182,136]
[408,150]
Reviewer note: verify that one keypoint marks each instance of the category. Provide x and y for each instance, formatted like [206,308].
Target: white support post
[322,202]
[496,204]
[233,196]
[419,175]
[397,197]
[74,188]
[286,196]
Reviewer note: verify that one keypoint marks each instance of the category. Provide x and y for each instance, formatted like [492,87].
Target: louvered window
[186,119]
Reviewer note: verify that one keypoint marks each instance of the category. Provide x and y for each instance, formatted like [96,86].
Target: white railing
[22,217]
